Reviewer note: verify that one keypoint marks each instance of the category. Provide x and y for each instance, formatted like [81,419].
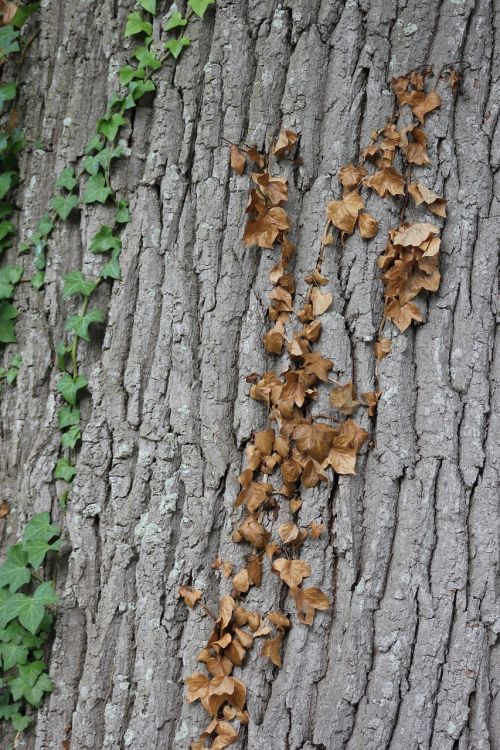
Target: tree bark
[407,657]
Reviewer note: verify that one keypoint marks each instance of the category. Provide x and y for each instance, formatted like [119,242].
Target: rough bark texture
[407,657]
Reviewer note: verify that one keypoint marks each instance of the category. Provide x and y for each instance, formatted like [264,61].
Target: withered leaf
[414,234]
[272,649]
[241,581]
[313,473]
[284,143]
[190,595]
[254,568]
[253,532]
[343,397]
[264,230]
[320,302]
[279,620]
[415,150]
[264,441]
[371,398]
[314,439]
[4,509]
[237,159]
[422,194]
[385,181]
[402,315]
[421,104]
[317,365]
[288,532]
[307,601]
[368,226]
[274,338]
[292,572]
[344,213]
[274,188]
[382,348]
[256,157]
[350,176]
[316,529]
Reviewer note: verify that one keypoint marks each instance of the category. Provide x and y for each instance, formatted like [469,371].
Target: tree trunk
[406,658]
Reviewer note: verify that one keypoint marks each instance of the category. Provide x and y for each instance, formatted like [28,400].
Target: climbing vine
[304,449]
[24,595]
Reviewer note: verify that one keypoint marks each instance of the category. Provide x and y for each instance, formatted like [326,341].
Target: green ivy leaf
[106,156]
[64,204]
[96,191]
[68,388]
[38,280]
[6,228]
[200,6]
[71,437]
[76,283]
[137,89]
[62,350]
[122,215]
[20,722]
[136,24]
[175,20]
[23,13]
[175,46]
[128,73]
[68,416]
[39,528]
[32,681]
[37,550]
[8,314]
[13,654]
[147,59]
[91,165]
[13,572]
[64,470]
[112,269]
[7,92]
[7,180]
[105,240]
[67,179]
[79,324]
[9,277]
[110,125]
[8,41]
[95,144]
[149,5]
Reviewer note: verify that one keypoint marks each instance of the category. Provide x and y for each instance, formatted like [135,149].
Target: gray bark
[407,657]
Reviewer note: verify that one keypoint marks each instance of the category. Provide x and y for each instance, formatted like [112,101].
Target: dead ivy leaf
[313,474]
[272,649]
[415,150]
[264,441]
[343,397]
[385,181]
[350,176]
[413,234]
[316,529]
[4,509]
[314,439]
[295,505]
[292,572]
[190,595]
[264,230]
[274,338]
[252,532]
[320,302]
[402,315]
[344,213]
[368,226]
[422,194]
[371,398]
[307,601]
[256,157]
[254,568]
[288,532]
[237,159]
[382,348]
[317,365]
[274,188]
[284,143]
[421,104]
[241,581]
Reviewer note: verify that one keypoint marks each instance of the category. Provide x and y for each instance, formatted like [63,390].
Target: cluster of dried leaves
[298,446]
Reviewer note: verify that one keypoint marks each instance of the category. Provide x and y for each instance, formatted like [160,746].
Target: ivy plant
[26,604]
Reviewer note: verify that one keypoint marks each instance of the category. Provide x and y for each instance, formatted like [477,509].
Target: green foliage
[79,324]
[76,283]
[175,21]
[175,46]
[8,315]
[63,205]
[96,191]
[69,387]
[25,621]
[105,240]
[136,24]
[200,6]
[10,374]
[149,5]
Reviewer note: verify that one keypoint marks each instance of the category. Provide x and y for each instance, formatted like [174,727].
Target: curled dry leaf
[414,149]
[320,302]
[241,581]
[307,601]
[421,104]
[274,339]
[254,568]
[190,595]
[274,188]
[284,143]
[288,532]
[385,181]
[422,194]
[368,226]
[279,620]
[292,572]
[350,176]
[343,397]
[371,398]
[344,213]
[264,230]
[272,649]
[316,529]
[314,439]
[382,348]
[4,509]
[237,159]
